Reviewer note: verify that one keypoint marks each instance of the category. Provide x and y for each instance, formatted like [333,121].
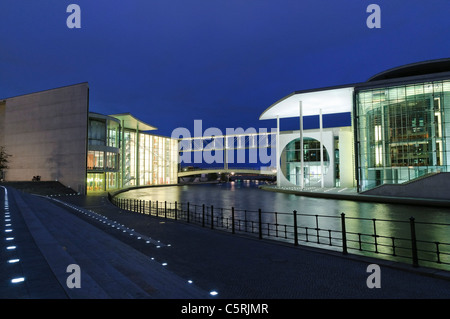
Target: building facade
[52,134]
[399,132]
[46,135]
[403,131]
[123,154]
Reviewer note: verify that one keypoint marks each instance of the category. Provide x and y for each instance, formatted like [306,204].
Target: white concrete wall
[346,158]
[46,134]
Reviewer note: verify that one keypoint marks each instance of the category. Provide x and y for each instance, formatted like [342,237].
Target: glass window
[401,133]
[97,132]
[95,160]
[113,133]
[291,162]
[111,161]
[95,182]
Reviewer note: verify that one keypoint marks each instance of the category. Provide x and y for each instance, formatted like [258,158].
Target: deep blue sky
[169,62]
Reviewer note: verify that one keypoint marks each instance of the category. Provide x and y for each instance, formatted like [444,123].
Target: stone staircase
[109,267]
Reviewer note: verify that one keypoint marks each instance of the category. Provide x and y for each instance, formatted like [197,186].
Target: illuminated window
[401,132]
[95,160]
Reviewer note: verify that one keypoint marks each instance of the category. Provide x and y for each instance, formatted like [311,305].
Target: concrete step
[109,268]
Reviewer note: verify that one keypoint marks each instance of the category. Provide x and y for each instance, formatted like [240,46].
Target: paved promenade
[124,255]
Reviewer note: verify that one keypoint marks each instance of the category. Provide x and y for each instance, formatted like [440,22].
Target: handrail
[323,231]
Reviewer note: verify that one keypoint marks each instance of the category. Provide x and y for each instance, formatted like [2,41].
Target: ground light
[17,280]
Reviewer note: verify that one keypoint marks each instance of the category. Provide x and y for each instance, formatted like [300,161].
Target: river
[245,195]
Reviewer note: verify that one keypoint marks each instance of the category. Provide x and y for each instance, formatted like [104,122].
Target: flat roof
[339,99]
[414,69]
[43,91]
[329,100]
[131,122]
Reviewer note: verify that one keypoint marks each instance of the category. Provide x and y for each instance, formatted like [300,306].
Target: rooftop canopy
[330,101]
[414,69]
[129,121]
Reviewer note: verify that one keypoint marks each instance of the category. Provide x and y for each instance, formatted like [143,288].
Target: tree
[3,160]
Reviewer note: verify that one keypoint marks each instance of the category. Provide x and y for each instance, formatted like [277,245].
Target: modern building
[53,135]
[121,153]
[399,132]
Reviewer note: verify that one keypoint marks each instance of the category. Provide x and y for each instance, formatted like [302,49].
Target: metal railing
[397,240]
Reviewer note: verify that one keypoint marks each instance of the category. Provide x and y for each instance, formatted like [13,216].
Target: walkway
[47,238]
[352,194]
[126,255]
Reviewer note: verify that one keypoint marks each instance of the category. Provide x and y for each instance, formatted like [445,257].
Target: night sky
[169,62]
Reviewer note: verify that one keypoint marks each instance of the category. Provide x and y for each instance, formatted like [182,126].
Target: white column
[278,159]
[225,153]
[302,169]
[322,172]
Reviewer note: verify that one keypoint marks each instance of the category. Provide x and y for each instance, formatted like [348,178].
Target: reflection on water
[247,198]
[246,195]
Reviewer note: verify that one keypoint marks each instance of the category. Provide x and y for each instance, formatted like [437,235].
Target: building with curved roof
[399,132]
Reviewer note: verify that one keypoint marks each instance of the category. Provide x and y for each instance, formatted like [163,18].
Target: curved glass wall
[402,132]
[291,162]
[113,134]
[103,164]
[97,132]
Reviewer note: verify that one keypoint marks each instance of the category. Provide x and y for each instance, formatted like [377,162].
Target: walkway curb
[361,197]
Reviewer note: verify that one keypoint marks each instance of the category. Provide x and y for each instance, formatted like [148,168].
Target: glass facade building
[122,155]
[399,130]
[402,132]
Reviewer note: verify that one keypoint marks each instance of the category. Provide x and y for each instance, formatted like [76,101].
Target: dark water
[247,196]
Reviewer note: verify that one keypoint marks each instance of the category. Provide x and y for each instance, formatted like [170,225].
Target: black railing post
[295,229]
[414,242]
[245,220]
[317,229]
[375,235]
[157,211]
[203,216]
[165,209]
[437,252]
[188,212]
[344,235]
[212,217]
[260,223]
[232,220]
[176,210]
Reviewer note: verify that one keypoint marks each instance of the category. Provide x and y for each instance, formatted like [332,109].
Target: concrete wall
[46,134]
[432,187]
[346,158]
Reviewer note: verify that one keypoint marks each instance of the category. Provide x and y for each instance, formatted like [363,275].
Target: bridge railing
[366,236]
[229,169]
